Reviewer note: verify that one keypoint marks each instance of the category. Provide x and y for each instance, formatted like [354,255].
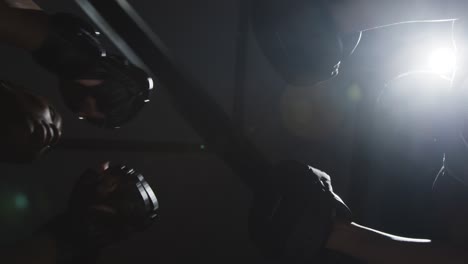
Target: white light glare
[442,61]
[150,83]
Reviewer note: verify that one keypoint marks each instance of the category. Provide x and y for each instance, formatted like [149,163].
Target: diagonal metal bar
[136,40]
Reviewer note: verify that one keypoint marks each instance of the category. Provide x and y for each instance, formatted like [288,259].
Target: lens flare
[21,201]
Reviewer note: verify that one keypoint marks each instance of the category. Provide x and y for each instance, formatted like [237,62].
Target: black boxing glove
[450,205]
[71,46]
[105,207]
[122,93]
[292,218]
[73,51]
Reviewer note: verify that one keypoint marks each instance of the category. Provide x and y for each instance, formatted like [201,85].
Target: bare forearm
[22,28]
[357,15]
[373,246]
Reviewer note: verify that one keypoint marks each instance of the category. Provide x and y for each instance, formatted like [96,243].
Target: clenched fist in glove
[104,89]
[293,217]
[106,206]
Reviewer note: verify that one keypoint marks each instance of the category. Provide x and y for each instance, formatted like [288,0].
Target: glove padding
[71,46]
[73,51]
[105,208]
[450,207]
[292,218]
[124,90]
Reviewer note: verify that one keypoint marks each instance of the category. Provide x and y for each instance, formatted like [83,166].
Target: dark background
[377,145]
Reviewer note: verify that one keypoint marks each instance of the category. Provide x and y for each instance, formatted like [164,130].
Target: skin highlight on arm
[372,246]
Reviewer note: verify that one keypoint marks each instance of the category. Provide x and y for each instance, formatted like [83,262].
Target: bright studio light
[442,61]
